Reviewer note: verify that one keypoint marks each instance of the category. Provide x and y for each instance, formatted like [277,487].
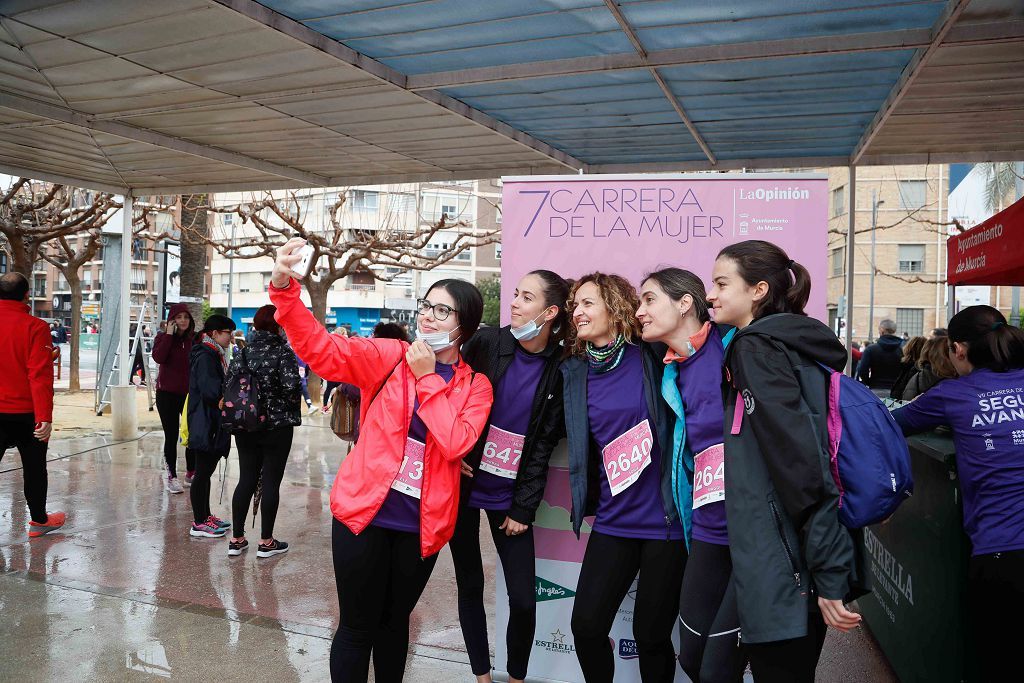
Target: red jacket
[26,383]
[454,413]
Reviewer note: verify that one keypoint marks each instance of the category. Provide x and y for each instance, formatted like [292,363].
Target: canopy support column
[851,230]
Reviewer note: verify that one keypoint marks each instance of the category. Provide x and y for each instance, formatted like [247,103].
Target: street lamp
[875,203]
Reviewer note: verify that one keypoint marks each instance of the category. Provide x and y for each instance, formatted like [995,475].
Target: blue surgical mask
[438,341]
[528,331]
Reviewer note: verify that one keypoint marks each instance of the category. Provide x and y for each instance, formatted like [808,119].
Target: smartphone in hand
[302,268]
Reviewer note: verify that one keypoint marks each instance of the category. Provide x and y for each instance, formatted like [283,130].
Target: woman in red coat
[396,495]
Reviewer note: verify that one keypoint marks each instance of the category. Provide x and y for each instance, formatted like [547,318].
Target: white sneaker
[173,485]
[312,409]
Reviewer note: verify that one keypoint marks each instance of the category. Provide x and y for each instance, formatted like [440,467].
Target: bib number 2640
[627,457]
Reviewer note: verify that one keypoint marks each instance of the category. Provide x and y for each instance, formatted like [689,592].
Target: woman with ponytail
[794,565]
[507,471]
[984,406]
[674,310]
[620,439]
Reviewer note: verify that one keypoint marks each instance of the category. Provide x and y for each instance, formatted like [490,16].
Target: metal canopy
[177,96]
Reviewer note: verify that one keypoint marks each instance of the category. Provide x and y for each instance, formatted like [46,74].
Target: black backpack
[242,411]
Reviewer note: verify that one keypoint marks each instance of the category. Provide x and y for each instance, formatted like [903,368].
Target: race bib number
[410,478]
[627,457]
[502,453]
[709,476]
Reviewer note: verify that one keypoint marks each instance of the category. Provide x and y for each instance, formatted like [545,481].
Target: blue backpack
[869,458]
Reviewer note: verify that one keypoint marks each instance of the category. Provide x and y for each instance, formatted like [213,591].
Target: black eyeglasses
[441,311]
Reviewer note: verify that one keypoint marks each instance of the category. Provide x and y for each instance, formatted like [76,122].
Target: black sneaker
[236,548]
[275,547]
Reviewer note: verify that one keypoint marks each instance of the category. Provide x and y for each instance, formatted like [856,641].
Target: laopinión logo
[627,649]
[556,643]
[548,590]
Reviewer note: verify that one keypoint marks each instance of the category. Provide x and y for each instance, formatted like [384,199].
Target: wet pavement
[124,593]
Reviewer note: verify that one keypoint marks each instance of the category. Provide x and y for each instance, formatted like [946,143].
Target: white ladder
[139,343]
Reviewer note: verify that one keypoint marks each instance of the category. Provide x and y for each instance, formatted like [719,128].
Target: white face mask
[528,331]
[437,341]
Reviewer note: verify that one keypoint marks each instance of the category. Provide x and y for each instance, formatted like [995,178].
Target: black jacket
[785,539]
[924,380]
[490,351]
[205,390]
[882,362]
[585,462]
[276,371]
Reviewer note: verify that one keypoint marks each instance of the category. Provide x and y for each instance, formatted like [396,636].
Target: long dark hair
[677,283]
[991,343]
[789,283]
[556,292]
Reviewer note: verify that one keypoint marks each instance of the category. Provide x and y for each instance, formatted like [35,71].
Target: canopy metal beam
[308,36]
[641,52]
[951,12]
[53,112]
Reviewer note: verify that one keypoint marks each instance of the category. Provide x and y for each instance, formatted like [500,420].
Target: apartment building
[362,299]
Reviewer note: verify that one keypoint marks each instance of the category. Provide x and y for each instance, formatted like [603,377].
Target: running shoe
[275,547]
[206,530]
[173,485]
[312,409]
[54,521]
[237,547]
[219,523]
[189,476]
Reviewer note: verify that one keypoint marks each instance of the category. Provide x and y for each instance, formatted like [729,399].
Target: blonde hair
[621,300]
[936,354]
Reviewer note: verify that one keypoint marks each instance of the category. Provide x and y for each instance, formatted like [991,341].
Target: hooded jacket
[276,370]
[171,352]
[491,351]
[785,539]
[882,362]
[26,383]
[205,390]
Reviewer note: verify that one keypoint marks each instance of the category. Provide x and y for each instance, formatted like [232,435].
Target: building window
[449,208]
[362,280]
[913,193]
[138,250]
[838,197]
[497,251]
[138,283]
[464,255]
[229,218]
[39,286]
[838,258]
[911,258]
[3,262]
[399,202]
[363,200]
[910,320]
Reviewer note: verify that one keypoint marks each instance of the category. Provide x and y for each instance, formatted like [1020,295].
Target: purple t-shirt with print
[616,404]
[399,511]
[985,409]
[700,385]
[513,402]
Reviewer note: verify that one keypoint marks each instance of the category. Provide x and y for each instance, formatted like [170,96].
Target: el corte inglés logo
[546,590]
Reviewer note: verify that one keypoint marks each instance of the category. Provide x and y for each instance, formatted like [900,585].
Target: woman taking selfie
[395,497]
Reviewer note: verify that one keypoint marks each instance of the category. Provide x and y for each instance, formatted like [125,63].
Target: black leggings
[169,406]
[16,430]
[789,661]
[995,591]
[380,577]
[517,562]
[608,569]
[709,621]
[206,465]
[262,457]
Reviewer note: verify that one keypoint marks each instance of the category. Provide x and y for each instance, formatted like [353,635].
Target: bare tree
[195,235]
[34,213]
[385,251]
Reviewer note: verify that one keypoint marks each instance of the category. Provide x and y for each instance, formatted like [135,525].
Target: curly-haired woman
[618,428]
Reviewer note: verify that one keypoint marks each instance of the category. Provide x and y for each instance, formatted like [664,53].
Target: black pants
[206,465]
[262,457]
[789,661]
[329,388]
[517,562]
[995,595]
[709,621]
[608,569]
[16,430]
[169,406]
[380,577]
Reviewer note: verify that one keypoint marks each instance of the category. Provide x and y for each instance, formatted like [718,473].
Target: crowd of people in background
[695,421]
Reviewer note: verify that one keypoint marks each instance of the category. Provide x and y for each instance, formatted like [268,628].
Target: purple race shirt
[700,385]
[616,405]
[513,402]
[985,409]
[399,511]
